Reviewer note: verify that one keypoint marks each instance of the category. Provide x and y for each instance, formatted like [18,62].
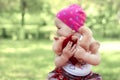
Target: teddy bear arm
[94,47]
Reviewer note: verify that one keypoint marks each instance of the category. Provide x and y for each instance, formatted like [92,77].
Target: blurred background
[27,30]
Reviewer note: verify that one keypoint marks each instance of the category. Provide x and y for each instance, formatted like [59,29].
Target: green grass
[32,60]
[25,60]
[110,65]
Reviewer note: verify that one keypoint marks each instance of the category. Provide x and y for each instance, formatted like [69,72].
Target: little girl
[68,21]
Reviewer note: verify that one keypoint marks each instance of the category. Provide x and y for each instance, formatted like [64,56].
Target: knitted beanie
[73,16]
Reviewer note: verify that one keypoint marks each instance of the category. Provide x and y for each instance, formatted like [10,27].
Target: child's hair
[73,16]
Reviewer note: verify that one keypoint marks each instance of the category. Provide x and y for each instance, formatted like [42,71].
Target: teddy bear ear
[85,30]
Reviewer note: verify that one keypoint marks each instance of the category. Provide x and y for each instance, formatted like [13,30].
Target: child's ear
[73,31]
[85,30]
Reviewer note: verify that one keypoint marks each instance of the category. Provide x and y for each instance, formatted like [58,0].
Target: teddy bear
[87,41]
[83,36]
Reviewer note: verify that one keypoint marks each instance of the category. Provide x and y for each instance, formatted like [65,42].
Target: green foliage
[102,16]
[9,5]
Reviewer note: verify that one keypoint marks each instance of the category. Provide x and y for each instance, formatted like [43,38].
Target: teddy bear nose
[56,38]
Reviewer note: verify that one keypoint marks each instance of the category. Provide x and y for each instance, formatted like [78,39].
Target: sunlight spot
[13,50]
[110,46]
[23,49]
[8,50]
[46,47]
[92,11]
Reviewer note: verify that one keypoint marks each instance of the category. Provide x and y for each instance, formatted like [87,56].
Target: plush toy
[86,41]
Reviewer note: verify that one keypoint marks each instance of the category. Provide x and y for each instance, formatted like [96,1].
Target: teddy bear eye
[58,28]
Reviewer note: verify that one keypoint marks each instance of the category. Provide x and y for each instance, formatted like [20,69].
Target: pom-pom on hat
[73,16]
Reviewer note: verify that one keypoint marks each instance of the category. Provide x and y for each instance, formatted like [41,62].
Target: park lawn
[32,60]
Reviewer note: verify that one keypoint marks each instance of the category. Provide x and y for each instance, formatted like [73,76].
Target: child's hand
[69,50]
[57,45]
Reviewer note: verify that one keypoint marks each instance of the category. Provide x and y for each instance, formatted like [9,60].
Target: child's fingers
[69,44]
[74,46]
[74,51]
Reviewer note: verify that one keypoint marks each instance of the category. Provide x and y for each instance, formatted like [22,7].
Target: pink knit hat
[73,16]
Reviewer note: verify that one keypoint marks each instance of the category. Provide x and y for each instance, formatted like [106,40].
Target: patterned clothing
[61,74]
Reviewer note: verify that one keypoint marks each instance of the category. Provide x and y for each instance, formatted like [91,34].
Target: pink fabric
[73,16]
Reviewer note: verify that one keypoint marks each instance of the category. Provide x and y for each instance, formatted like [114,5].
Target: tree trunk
[22,32]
